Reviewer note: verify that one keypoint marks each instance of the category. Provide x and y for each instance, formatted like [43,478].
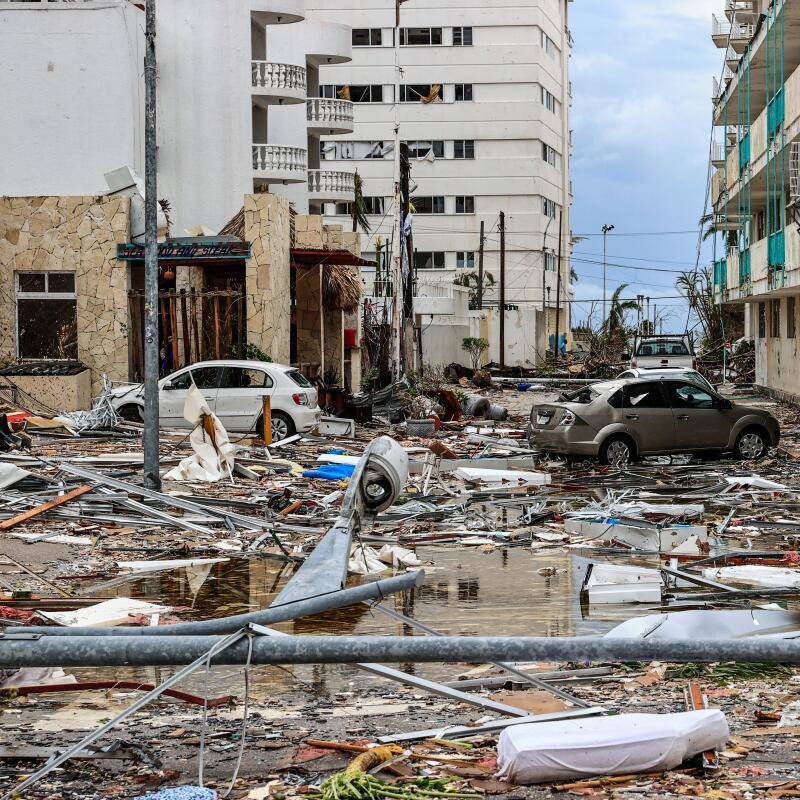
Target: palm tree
[359,207]
[618,309]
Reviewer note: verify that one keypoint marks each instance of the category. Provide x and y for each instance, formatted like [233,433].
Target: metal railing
[279,158]
[720,27]
[327,112]
[269,75]
[718,151]
[330,182]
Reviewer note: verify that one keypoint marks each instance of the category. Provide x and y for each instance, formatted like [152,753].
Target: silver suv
[619,421]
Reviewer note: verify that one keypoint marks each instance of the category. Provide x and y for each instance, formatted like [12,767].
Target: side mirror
[724,405]
[168,386]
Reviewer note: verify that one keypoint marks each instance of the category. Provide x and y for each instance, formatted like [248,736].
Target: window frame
[762,321]
[791,318]
[331,91]
[548,204]
[775,319]
[46,295]
[416,96]
[436,147]
[467,146]
[371,36]
[437,201]
[465,89]
[467,259]
[435,255]
[462,29]
[430,43]
[467,202]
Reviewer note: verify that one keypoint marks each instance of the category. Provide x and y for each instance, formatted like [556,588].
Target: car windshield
[665,348]
[299,378]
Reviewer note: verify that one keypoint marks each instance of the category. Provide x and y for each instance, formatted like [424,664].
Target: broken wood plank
[36,511]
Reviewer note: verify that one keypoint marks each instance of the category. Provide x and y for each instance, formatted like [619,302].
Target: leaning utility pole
[152,475]
[397,224]
[502,289]
[558,283]
[480,270]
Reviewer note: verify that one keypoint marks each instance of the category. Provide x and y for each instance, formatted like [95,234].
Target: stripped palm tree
[359,207]
[618,309]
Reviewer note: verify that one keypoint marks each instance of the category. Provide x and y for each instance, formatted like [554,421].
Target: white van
[666,350]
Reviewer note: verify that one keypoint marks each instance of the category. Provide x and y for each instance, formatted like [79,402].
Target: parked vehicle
[666,350]
[234,391]
[680,373]
[619,421]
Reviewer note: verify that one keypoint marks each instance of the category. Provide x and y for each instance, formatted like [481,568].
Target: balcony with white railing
[278,84]
[718,154]
[278,163]
[327,117]
[326,185]
[720,31]
[277,12]
[741,9]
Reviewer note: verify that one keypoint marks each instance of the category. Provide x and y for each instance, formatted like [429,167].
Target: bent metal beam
[26,650]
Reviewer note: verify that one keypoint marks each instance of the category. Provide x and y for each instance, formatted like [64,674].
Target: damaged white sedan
[234,391]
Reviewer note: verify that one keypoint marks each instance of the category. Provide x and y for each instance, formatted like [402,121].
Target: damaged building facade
[240,270]
[754,186]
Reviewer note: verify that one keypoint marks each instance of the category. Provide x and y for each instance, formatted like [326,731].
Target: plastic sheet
[613,745]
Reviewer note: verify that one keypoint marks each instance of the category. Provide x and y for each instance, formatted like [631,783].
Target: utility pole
[152,475]
[558,283]
[502,289]
[647,316]
[408,348]
[606,229]
[480,270]
[397,225]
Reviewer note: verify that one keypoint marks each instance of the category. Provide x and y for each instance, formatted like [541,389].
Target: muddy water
[466,592]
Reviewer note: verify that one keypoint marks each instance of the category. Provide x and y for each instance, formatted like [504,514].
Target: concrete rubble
[511,543]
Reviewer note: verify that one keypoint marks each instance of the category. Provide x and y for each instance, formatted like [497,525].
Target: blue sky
[641,73]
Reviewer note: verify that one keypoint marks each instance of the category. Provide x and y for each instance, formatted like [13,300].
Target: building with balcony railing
[757,109]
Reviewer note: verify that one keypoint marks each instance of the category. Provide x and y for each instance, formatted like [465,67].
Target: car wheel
[130,413]
[617,451]
[752,444]
[282,426]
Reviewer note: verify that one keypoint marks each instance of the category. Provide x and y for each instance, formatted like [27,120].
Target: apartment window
[428,260]
[549,154]
[550,262]
[421,93]
[424,149]
[372,205]
[464,148]
[428,205]
[349,151]
[367,37]
[548,208]
[791,318]
[465,204]
[465,260]
[549,101]
[463,92]
[462,36]
[420,36]
[47,316]
[358,93]
[775,327]
[549,46]
[762,320]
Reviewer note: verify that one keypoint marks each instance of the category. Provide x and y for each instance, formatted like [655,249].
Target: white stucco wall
[72,95]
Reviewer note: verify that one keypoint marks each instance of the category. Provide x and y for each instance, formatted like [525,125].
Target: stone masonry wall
[71,234]
[268,288]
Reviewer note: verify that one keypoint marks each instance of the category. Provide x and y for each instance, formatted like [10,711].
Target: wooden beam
[34,512]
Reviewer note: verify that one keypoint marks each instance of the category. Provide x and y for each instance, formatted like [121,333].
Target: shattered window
[645,395]
[47,316]
[239,378]
[206,377]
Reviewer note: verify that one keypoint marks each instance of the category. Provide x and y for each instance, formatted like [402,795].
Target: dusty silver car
[620,420]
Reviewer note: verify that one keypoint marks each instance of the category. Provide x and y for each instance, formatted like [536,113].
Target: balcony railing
[280,162]
[278,77]
[330,184]
[329,114]
[741,7]
[718,153]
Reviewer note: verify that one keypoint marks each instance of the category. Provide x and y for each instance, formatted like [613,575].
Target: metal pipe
[269,616]
[19,650]
[152,475]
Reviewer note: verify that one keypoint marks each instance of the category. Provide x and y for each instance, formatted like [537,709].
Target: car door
[240,399]
[700,424]
[647,416]
[172,399]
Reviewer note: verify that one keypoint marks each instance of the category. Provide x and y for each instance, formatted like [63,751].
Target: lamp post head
[607,228]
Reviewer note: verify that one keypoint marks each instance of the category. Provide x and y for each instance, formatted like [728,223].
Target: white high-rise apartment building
[484,104]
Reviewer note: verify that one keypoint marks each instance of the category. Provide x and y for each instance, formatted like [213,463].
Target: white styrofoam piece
[502,476]
[611,745]
[756,575]
[616,583]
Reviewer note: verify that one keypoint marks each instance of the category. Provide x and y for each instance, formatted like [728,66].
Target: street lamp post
[605,229]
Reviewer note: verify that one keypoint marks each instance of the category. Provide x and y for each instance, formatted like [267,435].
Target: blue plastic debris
[523,387]
[181,793]
[331,472]
[335,452]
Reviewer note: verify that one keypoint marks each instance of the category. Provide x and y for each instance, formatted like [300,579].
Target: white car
[668,372]
[234,391]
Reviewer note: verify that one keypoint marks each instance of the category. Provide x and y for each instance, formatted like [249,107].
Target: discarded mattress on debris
[612,745]
[212,459]
[728,623]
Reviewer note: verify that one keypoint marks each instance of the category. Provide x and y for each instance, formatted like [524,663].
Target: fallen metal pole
[21,649]
[301,608]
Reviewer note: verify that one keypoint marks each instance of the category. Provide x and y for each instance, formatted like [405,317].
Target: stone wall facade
[308,316]
[71,234]
[267,228]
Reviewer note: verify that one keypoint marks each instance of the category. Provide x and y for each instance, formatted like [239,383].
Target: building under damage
[72,307]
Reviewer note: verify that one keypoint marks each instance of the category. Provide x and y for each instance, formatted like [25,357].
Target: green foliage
[730,671]
[251,353]
[471,281]
[475,347]
[359,208]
